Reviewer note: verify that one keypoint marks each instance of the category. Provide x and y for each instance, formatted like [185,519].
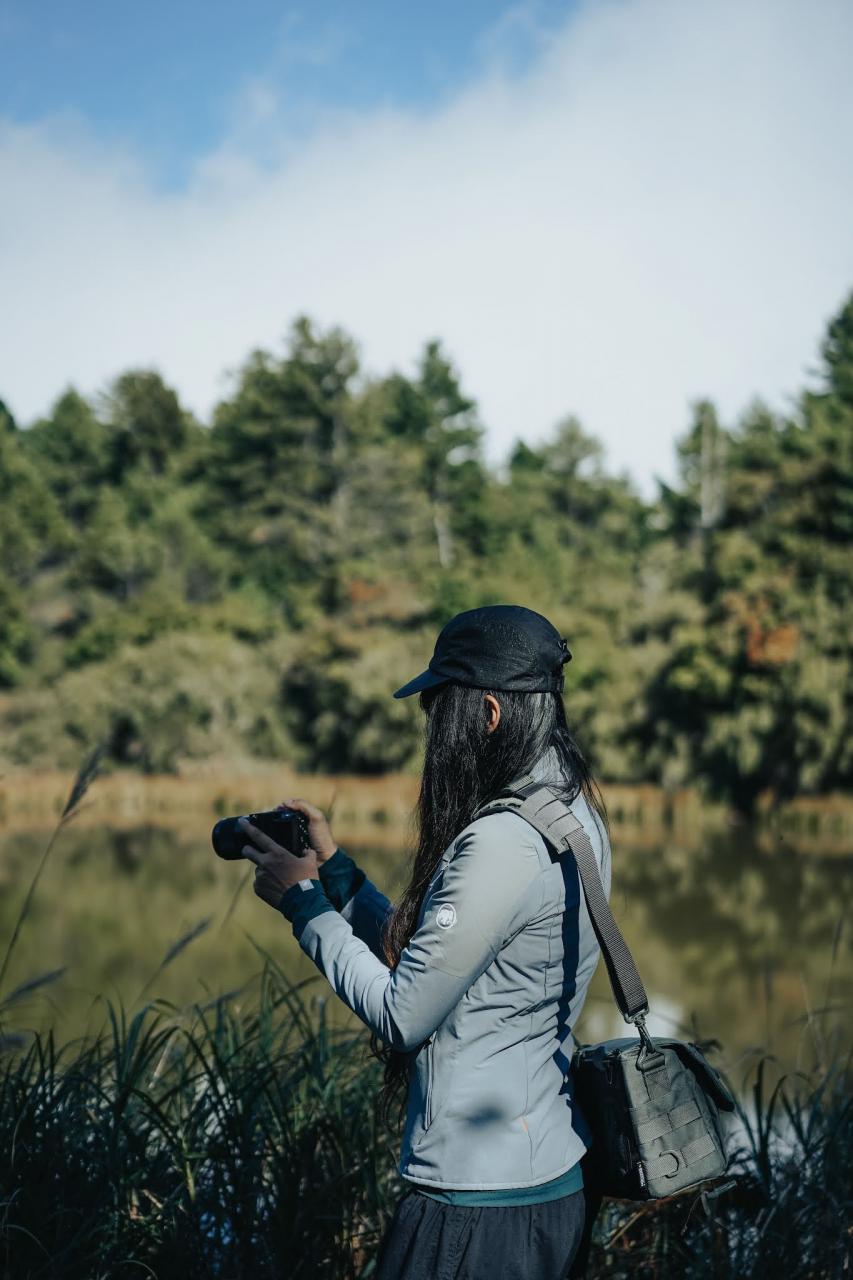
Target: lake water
[754,948]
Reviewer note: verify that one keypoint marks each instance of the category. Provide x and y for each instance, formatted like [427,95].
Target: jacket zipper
[428,1104]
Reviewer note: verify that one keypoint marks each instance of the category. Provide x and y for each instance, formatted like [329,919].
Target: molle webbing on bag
[559,828]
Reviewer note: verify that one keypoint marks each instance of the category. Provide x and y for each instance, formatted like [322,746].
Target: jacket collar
[548,768]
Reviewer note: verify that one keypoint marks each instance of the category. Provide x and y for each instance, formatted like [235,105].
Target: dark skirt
[430,1240]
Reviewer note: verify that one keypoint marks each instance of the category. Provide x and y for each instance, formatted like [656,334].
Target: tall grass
[240,1139]
[86,775]
[235,1139]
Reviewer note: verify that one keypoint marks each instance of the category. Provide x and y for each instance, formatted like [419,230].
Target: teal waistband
[563,1185]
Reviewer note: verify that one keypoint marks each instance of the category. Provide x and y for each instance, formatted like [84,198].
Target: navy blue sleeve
[303,901]
[341,878]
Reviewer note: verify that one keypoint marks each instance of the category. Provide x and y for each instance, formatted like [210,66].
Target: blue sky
[606,208]
[166,78]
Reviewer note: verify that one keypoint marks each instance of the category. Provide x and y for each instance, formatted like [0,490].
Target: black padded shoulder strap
[558,826]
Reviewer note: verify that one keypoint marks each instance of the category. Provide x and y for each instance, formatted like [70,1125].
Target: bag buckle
[650,1057]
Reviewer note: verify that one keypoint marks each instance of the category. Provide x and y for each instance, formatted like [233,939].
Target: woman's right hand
[320,835]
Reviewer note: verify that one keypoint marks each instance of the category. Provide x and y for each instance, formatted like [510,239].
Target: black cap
[499,646]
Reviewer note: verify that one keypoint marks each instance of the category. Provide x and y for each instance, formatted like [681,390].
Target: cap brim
[426,680]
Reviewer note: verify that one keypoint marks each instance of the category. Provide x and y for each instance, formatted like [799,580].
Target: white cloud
[659,209]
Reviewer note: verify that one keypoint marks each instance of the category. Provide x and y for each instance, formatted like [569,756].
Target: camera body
[287,827]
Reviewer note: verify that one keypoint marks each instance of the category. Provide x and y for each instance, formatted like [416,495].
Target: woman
[472,983]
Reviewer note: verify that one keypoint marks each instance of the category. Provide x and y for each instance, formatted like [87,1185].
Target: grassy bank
[239,1139]
[379,810]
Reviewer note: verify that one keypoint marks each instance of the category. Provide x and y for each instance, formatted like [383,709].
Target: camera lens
[228,838]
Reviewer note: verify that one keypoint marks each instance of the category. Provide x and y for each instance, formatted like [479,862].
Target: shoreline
[381,808]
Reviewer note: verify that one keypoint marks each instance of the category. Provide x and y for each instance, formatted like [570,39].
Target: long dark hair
[464,767]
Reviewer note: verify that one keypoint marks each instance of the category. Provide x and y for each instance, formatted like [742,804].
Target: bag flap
[691,1055]
[711,1079]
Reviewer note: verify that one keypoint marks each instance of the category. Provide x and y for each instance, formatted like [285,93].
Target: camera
[287,827]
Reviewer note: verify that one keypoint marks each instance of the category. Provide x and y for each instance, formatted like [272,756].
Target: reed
[84,778]
[239,1138]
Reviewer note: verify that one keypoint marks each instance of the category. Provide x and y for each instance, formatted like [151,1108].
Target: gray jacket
[486,992]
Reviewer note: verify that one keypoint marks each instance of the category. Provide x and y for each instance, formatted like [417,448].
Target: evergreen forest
[256,586]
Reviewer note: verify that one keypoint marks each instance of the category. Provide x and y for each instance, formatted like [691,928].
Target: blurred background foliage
[259,585]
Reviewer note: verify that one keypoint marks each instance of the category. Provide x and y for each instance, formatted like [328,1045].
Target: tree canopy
[260,584]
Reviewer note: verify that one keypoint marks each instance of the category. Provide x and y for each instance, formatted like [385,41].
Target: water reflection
[736,943]
[732,942]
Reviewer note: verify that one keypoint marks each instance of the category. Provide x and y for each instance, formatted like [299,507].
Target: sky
[606,208]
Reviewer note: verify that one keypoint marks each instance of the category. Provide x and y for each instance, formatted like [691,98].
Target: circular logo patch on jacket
[445,916]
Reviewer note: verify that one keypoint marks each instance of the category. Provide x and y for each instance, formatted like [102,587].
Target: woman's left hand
[276,868]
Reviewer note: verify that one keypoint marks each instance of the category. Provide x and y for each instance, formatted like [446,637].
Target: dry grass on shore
[380,809]
[127,799]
